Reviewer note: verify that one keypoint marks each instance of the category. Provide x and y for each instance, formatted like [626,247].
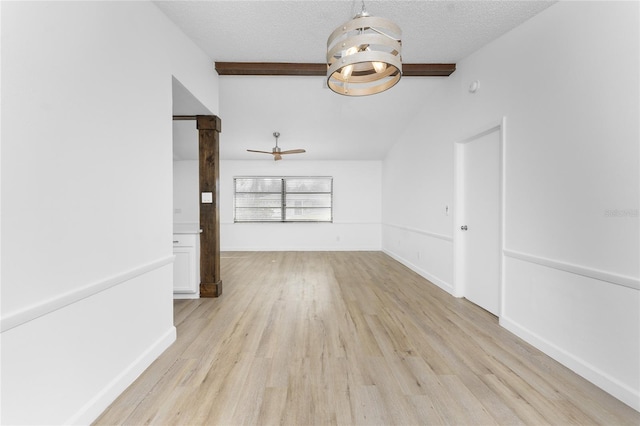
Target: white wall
[186,208]
[87,200]
[356,207]
[570,98]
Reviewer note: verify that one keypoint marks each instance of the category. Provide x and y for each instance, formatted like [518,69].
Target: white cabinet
[186,266]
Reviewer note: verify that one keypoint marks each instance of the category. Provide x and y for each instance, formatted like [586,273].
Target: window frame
[283,200]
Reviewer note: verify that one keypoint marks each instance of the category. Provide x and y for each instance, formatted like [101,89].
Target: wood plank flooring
[342,338]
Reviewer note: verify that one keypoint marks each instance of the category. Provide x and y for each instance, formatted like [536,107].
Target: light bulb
[379,66]
[351,51]
[346,71]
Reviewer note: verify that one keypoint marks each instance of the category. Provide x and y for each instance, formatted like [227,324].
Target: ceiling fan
[276,151]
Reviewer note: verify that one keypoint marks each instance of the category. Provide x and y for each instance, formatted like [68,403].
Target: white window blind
[283,199]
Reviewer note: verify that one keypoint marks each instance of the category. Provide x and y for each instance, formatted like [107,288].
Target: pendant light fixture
[364,56]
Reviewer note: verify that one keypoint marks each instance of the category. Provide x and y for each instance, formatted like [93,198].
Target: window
[283,199]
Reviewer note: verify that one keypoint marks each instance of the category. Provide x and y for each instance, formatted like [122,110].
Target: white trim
[419,231]
[290,248]
[181,296]
[14,319]
[458,204]
[92,409]
[584,271]
[335,222]
[424,274]
[596,376]
[503,211]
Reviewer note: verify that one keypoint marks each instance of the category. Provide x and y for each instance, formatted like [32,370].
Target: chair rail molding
[610,277]
[420,231]
[14,319]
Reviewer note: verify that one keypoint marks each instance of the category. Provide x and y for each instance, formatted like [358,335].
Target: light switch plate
[207,197]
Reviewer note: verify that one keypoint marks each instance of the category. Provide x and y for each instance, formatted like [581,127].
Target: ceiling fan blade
[276,152]
[293,151]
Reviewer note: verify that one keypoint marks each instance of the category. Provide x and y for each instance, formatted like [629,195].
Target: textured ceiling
[251,108]
[297,31]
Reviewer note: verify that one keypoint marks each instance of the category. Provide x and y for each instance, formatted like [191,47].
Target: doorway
[479,219]
[200,142]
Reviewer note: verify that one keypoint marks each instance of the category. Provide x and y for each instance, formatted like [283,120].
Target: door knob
[463,227]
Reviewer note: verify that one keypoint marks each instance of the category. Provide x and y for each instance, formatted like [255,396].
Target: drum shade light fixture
[364,56]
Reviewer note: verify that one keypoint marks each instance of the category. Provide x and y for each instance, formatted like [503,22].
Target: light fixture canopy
[364,56]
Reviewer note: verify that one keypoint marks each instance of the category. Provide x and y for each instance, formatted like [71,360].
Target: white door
[479,223]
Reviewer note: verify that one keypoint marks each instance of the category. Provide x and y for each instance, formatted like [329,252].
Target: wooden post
[209,127]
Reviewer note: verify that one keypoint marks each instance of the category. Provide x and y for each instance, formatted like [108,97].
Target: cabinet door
[183,270]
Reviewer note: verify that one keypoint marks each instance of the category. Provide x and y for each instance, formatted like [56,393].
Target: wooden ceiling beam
[428,70]
[269,68]
[300,69]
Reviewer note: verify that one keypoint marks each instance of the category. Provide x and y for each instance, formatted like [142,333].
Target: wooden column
[209,127]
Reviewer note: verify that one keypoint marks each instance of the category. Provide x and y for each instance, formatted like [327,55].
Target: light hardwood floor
[301,338]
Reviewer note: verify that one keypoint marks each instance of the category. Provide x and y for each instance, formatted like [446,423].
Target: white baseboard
[177,296]
[609,384]
[320,248]
[432,278]
[91,410]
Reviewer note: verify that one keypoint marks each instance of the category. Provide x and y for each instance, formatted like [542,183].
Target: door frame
[459,202]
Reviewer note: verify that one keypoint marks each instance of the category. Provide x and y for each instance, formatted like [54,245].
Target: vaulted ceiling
[302,109]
